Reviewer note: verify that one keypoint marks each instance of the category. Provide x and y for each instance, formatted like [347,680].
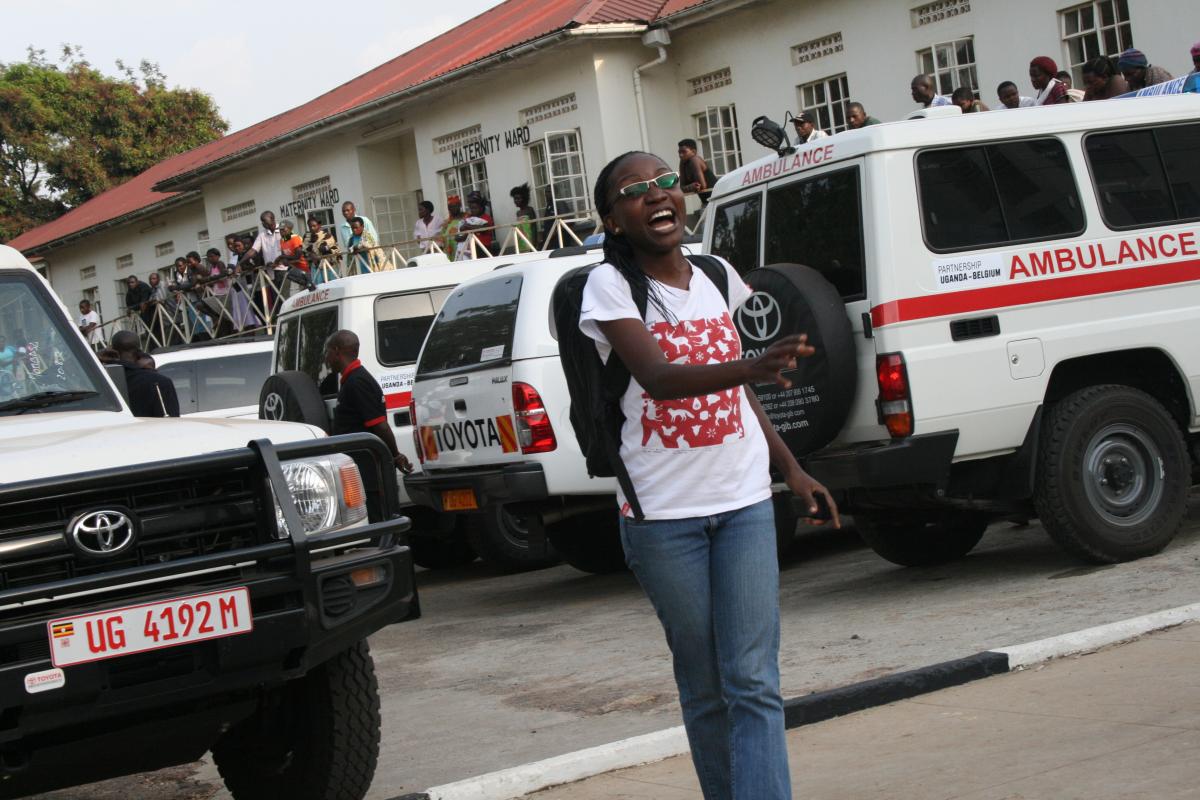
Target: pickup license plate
[459,500]
[150,626]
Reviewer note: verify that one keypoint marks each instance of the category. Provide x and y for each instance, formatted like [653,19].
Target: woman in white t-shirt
[698,450]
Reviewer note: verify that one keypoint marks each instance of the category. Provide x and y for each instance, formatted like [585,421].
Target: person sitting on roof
[1138,71]
[1050,90]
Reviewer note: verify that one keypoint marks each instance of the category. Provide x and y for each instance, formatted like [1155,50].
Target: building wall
[180,226]
[396,151]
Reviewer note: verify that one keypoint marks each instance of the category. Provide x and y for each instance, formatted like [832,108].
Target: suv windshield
[43,366]
[474,329]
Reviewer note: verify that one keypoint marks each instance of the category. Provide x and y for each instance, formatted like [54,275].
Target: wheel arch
[1149,369]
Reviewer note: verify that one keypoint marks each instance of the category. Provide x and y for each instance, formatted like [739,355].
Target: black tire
[500,535]
[445,547]
[292,396]
[590,542]
[317,740]
[921,540]
[1113,474]
[790,299]
[786,520]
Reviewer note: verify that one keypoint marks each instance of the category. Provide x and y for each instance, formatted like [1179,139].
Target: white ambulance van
[391,312]
[1007,312]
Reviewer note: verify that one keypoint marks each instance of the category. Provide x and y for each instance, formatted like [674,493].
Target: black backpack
[597,387]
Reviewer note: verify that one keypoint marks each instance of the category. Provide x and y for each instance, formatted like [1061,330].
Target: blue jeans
[714,582]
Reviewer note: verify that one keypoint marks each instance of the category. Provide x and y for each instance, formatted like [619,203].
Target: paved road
[503,670]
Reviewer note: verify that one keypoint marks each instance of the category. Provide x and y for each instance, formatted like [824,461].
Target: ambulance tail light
[535,434]
[895,399]
[416,431]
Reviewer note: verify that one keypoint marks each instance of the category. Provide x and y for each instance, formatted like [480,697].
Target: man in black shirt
[360,406]
[151,394]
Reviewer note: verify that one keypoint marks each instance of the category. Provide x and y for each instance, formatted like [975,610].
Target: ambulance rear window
[987,195]
[474,329]
[735,232]
[1147,177]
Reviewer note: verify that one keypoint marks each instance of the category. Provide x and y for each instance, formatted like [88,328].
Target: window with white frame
[246,208]
[164,249]
[395,215]
[202,236]
[717,133]
[1098,28]
[559,184]
[827,99]
[125,261]
[952,64]
[464,179]
[87,273]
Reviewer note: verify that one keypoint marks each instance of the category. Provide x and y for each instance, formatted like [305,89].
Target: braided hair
[617,249]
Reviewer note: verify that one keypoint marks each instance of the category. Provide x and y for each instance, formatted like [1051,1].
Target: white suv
[391,312]
[219,378]
[1005,308]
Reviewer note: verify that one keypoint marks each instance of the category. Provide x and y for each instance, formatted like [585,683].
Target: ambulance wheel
[501,537]
[590,542]
[293,397]
[1113,474]
[918,541]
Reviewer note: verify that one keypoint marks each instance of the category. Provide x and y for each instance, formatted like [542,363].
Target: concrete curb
[516,782]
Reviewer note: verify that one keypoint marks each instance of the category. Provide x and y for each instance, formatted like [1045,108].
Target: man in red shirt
[360,404]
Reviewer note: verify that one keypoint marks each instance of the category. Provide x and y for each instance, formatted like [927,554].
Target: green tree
[69,132]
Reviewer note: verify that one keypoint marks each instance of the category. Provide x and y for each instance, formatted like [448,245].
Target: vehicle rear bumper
[512,483]
[915,461]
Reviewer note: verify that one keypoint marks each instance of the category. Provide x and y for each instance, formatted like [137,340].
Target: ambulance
[1006,308]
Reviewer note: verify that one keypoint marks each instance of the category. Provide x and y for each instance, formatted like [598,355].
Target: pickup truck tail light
[416,430]
[534,431]
[895,398]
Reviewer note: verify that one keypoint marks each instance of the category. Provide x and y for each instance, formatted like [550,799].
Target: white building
[545,92]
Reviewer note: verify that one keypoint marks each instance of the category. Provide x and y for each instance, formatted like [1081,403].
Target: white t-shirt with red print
[693,456]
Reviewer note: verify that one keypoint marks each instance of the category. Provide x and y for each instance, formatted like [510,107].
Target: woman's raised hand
[780,356]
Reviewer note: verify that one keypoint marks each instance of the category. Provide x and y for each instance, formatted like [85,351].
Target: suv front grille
[180,518]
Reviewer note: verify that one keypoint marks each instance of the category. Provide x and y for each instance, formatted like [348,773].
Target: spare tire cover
[292,396]
[790,299]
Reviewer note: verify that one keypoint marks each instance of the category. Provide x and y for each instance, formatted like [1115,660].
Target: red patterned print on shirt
[695,421]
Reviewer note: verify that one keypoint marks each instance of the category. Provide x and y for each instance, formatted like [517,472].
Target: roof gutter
[186,180]
[703,12]
[179,199]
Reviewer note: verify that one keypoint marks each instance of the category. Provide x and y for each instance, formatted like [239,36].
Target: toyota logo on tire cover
[103,533]
[760,317]
[273,407]
[789,299]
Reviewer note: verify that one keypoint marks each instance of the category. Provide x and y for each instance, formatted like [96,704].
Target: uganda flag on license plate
[61,630]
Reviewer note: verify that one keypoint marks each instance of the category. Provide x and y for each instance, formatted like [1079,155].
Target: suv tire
[590,542]
[1113,474]
[919,541]
[500,535]
[292,396]
[316,739]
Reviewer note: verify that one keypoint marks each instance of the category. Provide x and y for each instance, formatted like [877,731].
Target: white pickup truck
[174,586]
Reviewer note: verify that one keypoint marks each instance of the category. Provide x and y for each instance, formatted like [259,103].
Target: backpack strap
[716,272]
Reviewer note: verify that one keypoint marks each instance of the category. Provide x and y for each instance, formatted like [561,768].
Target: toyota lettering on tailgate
[469,434]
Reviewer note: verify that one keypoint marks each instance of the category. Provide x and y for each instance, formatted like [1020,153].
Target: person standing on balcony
[321,248]
[349,212]
[428,226]
[525,218]
[480,222]
[451,227]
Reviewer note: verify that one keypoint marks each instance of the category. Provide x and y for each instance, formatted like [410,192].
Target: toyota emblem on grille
[103,533]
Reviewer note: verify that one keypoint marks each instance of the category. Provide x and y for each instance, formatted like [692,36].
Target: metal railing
[246,302]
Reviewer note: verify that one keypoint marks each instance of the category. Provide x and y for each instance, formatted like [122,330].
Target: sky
[254,62]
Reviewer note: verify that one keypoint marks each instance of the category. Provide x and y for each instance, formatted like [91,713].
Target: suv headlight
[328,493]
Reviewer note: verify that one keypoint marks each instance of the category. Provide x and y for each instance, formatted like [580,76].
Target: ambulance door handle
[460,405]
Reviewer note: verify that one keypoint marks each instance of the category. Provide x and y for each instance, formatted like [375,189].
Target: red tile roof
[505,26]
